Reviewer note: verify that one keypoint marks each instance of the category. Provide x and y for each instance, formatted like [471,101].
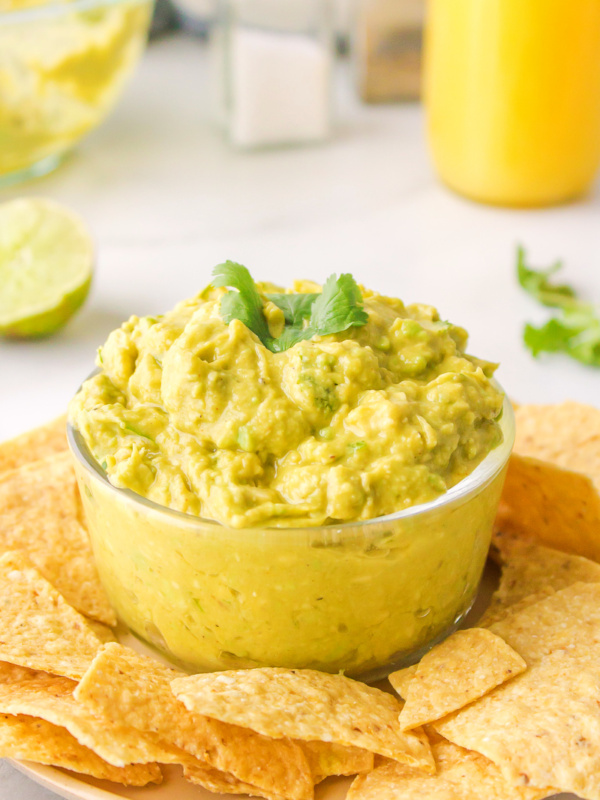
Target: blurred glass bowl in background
[62,67]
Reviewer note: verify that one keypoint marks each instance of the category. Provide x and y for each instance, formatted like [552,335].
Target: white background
[167,199]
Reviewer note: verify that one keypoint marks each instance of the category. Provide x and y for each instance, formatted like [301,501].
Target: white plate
[174,786]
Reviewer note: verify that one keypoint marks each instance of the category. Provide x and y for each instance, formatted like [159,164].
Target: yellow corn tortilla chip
[543,727]
[306,705]
[33,445]
[11,673]
[464,667]
[461,775]
[48,697]
[223,783]
[402,679]
[531,572]
[31,739]
[125,686]
[38,628]
[40,512]
[101,631]
[554,506]
[565,434]
[326,759]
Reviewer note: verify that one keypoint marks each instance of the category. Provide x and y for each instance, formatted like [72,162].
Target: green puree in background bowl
[197,414]
[62,67]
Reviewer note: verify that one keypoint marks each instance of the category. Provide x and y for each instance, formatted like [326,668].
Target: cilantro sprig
[336,309]
[537,283]
[574,331]
[244,302]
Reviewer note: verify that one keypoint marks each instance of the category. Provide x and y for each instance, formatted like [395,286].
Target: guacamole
[197,414]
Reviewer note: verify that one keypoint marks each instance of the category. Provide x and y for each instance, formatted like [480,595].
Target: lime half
[46,262]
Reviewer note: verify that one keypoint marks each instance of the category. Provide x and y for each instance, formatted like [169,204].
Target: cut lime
[46,262]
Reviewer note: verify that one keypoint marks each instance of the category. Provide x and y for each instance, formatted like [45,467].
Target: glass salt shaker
[273,62]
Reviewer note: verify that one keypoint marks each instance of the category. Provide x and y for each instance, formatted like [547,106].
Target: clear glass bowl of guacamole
[365,597]
[62,67]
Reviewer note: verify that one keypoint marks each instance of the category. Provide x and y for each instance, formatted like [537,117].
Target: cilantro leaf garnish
[576,329]
[296,307]
[244,302]
[290,336]
[338,308]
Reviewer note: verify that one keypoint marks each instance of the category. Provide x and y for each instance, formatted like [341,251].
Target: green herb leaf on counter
[336,309]
[575,331]
[537,283]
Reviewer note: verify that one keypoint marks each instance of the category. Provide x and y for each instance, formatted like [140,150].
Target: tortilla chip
[461,775]
[31,739]
[565,434]
[40,513]
[306,705]
[51,698]
[33,445]
[223,783]
[551,505]
[531,572]
[326,759]
[402,679]
[101,631]
[129,687]
[10,673]
[38,628]
[464,667]
[543,727]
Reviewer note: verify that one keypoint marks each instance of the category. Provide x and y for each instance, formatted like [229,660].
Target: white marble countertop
[167,199]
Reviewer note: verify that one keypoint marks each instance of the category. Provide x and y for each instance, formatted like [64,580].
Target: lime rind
[46,265]
[48,322]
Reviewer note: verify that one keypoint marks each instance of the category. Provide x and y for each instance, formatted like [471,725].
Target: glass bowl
[365,597]
[62,67]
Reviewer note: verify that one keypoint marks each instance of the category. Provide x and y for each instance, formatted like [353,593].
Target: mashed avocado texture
[195,413]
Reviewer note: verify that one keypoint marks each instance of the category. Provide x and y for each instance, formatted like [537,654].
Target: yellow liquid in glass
[512,89]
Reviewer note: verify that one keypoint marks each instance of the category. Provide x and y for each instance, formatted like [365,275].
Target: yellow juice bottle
[512,91]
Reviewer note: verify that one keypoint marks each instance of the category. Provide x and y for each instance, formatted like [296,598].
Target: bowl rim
[59,9]
[483,474]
